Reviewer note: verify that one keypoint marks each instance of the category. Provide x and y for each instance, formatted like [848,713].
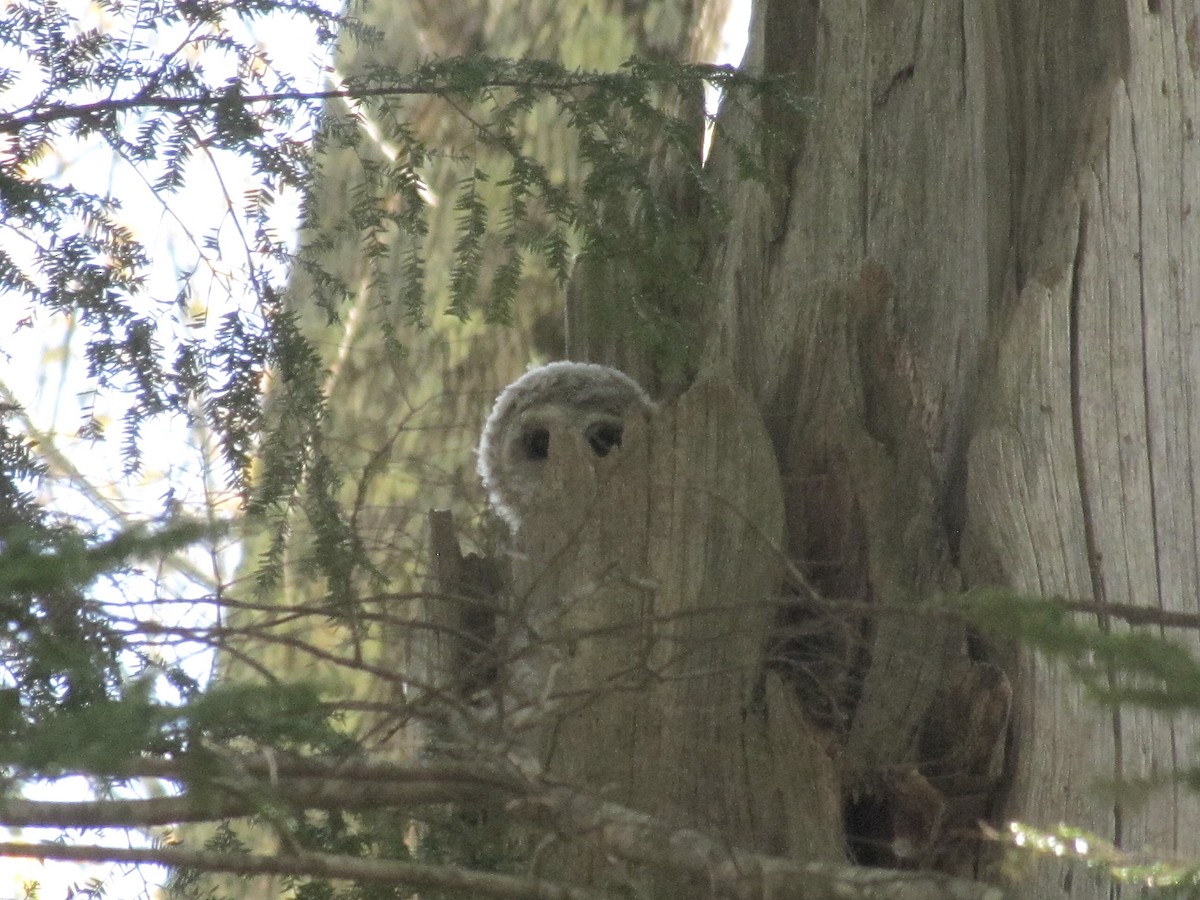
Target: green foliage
[192,884]
[68,701]
[157,109]
[1117,667]
[38,561]
[1164,878]
[106,735]
[375,836]
[59,649]
[480,838]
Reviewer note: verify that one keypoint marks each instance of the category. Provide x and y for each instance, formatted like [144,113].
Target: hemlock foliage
[214,89]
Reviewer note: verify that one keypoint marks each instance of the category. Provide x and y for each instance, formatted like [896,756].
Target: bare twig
[60,112]
[315,865]
[237,799]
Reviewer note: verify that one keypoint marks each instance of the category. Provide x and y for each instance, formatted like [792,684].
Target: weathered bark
[968,300]
[1095,439]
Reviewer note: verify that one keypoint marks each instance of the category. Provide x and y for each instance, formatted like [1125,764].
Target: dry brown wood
[1023,176]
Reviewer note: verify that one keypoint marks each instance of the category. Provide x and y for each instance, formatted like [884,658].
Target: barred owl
[554,409]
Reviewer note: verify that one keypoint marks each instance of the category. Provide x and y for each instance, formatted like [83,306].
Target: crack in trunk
[1094,560]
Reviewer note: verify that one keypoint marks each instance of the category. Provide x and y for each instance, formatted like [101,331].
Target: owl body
[548,429]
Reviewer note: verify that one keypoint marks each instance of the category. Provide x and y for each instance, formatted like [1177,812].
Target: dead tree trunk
[964,304]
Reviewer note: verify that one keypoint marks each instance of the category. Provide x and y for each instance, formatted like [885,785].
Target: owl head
[564,410]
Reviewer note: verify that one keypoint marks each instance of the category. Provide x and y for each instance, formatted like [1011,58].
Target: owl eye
[603,436]
[535,443]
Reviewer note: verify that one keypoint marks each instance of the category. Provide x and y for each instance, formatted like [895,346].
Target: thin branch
[730,873]
[1133,615]
[59,112]
[276,766]
[233,800]
[314,865]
